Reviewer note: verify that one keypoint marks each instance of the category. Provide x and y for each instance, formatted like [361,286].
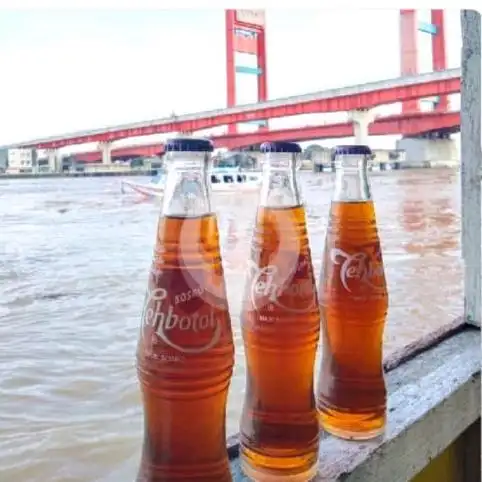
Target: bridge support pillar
[54,161]
[361,120]
[105,148]
[419,150]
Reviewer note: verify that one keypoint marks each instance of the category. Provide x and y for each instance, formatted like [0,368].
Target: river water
[74,257]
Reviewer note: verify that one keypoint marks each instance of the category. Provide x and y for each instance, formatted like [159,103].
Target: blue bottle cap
[352,151]
[280,147]
[188,144]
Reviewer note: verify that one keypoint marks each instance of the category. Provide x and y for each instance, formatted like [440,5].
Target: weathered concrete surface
[433,398]
[471,163]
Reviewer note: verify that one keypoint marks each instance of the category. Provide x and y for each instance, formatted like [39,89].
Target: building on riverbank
[3,160]
[21,160]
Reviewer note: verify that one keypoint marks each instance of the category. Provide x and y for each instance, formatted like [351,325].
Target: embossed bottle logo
[359,267]
[269,288]
[204,328]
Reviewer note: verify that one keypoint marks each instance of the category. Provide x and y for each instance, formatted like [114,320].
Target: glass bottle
[351,396]
[185,352]
[280,325]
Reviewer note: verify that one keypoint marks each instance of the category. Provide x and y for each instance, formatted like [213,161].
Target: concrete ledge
[433,398]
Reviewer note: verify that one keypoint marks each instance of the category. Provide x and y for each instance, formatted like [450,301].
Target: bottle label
[359,271]
[272,288]
[181,319]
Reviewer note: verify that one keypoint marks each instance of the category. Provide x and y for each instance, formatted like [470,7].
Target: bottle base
[352,426]
[150,473]
[277,469]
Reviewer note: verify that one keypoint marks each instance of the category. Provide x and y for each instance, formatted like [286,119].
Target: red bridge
[245,32]
[407,125]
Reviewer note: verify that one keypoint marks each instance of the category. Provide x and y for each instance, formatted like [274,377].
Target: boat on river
[223,180]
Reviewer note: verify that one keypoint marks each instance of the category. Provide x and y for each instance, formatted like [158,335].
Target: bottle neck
[351,181]
[187,188]
[280,187]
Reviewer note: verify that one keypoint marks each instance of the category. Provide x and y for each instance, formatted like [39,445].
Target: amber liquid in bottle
[185,352]
[353,295]
[280,325]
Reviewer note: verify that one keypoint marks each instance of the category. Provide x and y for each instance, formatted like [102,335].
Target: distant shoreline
[48,175]
[151,172]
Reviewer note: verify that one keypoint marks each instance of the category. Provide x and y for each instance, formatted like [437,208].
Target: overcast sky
[67,70]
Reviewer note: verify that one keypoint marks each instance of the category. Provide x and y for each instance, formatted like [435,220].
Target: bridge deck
[245,110]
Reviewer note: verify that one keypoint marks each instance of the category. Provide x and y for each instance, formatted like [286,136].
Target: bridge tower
[426,146]
[245,33]
[409,28]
